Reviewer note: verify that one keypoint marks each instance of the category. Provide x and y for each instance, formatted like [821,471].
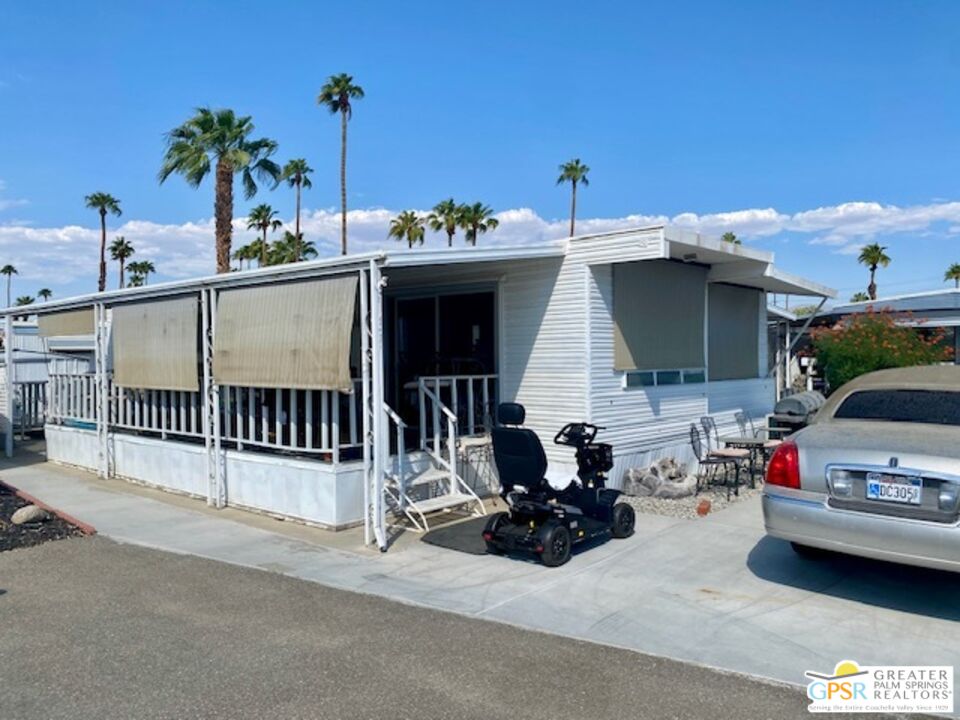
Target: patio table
[754,444]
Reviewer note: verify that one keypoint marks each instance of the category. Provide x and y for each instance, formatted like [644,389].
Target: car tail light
[784,466]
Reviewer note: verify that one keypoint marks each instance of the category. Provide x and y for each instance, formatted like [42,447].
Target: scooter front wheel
[624,520]
[556,546]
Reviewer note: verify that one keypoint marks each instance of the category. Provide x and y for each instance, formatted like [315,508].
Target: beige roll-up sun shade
[71,322]
[155,345]
[734,321]
[290,335]
[658,315]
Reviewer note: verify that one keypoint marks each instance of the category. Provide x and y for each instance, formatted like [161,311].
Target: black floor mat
[465,536]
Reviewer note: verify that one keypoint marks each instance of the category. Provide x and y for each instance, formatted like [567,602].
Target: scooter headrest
[511,413]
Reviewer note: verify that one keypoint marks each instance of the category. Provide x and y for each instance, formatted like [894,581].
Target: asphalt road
[94,629]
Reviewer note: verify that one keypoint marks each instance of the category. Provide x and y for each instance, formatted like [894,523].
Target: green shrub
[875,340]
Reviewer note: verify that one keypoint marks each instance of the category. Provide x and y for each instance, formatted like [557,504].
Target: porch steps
[430,475]
[443,502]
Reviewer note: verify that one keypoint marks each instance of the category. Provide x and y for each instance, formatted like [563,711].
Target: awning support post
[8,382]
[100,347]
[378,442]
[211,402]
[367,414]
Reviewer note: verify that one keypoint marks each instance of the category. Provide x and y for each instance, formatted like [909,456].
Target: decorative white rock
[29,514]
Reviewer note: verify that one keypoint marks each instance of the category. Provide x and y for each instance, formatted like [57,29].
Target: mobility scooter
[542,519]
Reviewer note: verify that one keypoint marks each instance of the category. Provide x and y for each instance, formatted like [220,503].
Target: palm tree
[859,297]
[407,226]
[9,271]
[23,301]
[44,294]
[121,251]
[573,172]
[873,256]
[290,249]
[336,95]
[263,218]
[476,219]
[953,273]
[259,251]
[244,252]
[296,174]
[103,203]
[223,137]
[139,271]
[731,238]
[445,217]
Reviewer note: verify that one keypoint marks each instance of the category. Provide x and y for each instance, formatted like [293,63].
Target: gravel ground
[687,507]
[29,534]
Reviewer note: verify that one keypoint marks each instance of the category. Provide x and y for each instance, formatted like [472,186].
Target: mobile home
[348,390]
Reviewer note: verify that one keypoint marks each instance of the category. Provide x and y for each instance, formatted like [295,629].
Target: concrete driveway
[714,591]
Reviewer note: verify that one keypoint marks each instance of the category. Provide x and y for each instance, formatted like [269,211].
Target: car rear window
[934,407]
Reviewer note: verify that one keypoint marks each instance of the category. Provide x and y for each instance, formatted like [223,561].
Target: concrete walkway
[714,591]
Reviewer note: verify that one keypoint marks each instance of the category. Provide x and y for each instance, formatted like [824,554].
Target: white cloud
[66,258]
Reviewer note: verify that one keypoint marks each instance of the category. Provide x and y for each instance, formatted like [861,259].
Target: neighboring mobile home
[340,391]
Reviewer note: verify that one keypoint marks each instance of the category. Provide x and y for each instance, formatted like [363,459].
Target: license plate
[894,488]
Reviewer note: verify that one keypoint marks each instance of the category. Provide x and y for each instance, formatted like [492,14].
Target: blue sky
[749,116]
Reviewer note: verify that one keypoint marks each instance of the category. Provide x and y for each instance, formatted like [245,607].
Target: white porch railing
[302,421]
[318,422]
[471,398]
[72,397]
[30,407]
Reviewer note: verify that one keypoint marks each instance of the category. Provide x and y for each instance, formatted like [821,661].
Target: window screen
[156,345]
[733,317]
[658,308]
[286,335]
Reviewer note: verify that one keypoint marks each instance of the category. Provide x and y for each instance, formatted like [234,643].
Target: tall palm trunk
[9,279]
[343,182]
[102,283]
[263,249]
[573,207]
[872,287]
[450,237]
[122,261]
[297,225]
[223,214]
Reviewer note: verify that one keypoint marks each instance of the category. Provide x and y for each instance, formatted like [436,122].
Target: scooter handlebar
[577,434]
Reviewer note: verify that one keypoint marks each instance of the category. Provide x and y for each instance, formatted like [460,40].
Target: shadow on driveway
[933,593]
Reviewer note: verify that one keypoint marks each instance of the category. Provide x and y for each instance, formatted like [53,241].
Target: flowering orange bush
[874,340]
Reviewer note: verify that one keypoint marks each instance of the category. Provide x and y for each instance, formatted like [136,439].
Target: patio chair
[747,429]
[708,464]
[713,448]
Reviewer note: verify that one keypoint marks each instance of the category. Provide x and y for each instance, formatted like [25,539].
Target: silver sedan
[877,473]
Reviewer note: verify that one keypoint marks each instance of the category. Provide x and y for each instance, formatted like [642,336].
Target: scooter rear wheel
[556,546]
[624,521]
[492,524]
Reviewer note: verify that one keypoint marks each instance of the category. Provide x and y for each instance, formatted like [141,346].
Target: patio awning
[62,324]
[290,335]
[155,345]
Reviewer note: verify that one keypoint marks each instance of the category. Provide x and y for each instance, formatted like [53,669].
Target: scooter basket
[597,457]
